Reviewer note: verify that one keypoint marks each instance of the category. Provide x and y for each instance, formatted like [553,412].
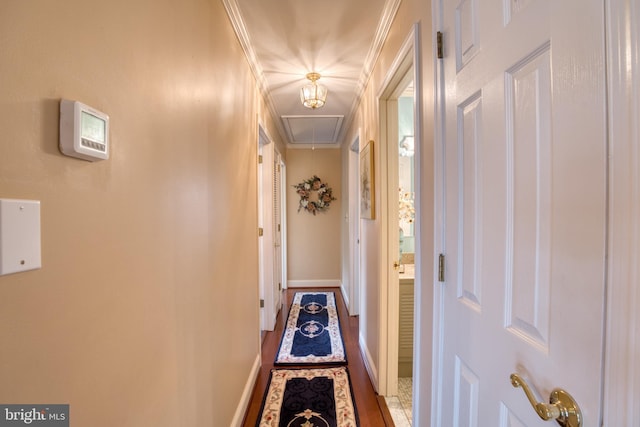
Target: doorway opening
[400,133]
[401,224]
[406,244]
[271,232]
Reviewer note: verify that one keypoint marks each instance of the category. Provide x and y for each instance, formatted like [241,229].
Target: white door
[524,208]
[277,231]
[266,232]
[263,270]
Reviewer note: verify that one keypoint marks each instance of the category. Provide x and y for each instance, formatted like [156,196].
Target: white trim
[384,26]
[382,31]
[622,364]
[368,362]
[345,294]
[353,225]
[316,145]
[239,26]
[245,398]
[279,253]
[407,60]
[439,222]
[331,283]
[283,219]
[424,236]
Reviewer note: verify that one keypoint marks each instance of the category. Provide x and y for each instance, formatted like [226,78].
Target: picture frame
[367,184]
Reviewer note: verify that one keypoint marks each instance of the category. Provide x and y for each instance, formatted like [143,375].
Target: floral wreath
[304,190]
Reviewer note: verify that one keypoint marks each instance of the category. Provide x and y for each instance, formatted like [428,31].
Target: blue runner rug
[318,397]
[312,332]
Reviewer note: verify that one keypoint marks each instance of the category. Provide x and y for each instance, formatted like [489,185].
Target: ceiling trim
[384,25]
[240,28]
[298,125]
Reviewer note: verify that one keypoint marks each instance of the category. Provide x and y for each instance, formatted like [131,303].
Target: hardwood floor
[371,410]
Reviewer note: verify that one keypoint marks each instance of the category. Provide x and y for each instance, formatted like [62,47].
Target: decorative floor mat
[318,397]
[312,332]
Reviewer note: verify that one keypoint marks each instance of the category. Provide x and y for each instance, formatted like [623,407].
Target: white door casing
[404,69]
[283,223]
[265,223]
[622,382]
[353,293]
[524,208]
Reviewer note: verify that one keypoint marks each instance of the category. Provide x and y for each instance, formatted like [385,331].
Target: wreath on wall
[315,196]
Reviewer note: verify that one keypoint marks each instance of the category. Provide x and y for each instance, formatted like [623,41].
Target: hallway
[367,401]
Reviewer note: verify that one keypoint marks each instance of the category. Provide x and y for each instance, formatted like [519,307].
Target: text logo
[34,415]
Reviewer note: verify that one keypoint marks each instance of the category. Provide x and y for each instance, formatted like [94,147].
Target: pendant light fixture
[313,95]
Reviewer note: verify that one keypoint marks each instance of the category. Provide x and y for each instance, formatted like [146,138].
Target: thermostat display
[84,131]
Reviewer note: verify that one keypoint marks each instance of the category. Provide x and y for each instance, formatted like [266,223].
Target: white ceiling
[286,39]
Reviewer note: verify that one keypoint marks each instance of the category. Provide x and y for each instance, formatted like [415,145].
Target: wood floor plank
[367,402]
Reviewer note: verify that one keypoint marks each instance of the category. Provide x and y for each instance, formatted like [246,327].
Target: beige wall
[135,318]
[314,242]
[368,127]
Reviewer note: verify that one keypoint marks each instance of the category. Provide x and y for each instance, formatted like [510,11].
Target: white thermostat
[84,131]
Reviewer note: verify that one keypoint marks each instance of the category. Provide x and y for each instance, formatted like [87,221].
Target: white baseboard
[368,363]
[335,283]
[238,417]
[345,296]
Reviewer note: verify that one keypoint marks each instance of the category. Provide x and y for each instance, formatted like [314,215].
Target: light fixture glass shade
[313,95]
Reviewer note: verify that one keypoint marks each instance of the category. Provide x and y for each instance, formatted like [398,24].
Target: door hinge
[439,47]
[279,286]
[441,268]
[261,303]
[259,158]
[260,231]
[278,227]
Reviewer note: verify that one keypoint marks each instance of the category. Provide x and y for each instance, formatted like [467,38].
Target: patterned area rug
[318,397]
[312,332]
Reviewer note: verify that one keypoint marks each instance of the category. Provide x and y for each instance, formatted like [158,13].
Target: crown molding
[382,31]
[240,28]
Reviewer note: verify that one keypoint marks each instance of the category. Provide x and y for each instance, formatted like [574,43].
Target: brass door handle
[396,265]
[561,407]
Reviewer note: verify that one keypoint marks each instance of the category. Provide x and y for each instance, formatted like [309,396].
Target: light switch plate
[19,235]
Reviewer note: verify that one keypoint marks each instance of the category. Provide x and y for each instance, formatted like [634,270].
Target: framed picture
[367,187]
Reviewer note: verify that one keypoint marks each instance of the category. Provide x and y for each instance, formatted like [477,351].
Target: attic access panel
[313,129]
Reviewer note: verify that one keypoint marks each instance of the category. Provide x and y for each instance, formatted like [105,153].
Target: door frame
[353,215]
[278,230]
[621,402]
[283,220]
[407,59]
[439,235]
[265,223]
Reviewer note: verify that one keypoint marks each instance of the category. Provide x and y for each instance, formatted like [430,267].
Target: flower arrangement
[315,196]
[406,210]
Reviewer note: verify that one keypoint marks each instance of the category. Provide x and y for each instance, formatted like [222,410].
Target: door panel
[525,165]
[529,146]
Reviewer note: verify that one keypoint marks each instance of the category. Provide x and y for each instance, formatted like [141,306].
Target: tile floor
[400,406]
